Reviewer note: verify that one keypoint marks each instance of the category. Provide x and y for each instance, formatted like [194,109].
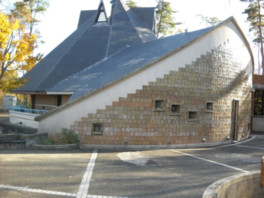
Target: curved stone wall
[186,98]
[243,185]
[191,105]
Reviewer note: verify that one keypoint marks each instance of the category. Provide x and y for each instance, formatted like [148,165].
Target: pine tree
[165,20]
[210,21]
[256,20]
[131,4]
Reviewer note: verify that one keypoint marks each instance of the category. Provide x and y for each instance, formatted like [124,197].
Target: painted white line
[49,192]
[26,189]
[84,186]
[253,147]
[248,140]
[210,161]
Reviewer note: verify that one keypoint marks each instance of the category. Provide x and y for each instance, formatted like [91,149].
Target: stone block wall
[201,95]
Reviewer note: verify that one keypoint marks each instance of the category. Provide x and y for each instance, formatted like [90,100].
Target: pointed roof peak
[101,16]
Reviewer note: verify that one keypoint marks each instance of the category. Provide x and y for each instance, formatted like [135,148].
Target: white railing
[23,116]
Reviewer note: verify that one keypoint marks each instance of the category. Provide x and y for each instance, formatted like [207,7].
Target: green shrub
[69,136]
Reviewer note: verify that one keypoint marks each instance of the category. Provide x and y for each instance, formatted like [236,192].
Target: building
[115,83]
[258,96]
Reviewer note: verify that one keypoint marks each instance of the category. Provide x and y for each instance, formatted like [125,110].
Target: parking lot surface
[183,173]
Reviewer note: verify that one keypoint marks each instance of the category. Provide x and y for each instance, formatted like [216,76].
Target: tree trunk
[261,37]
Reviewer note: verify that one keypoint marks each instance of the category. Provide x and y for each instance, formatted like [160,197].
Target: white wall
[65,117]
[9,102]
[24,119]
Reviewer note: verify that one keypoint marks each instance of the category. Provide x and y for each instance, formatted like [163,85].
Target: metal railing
[22,108]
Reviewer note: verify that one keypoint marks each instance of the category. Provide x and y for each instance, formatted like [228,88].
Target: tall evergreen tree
[131,4]
[210,21]
[165,20]
[256,20]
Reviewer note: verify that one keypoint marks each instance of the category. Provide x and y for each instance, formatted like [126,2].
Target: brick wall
[258,79]
[213,79]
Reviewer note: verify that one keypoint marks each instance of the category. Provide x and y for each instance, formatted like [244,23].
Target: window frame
[176,113]
[162,105]
[195,118]
[257,103]
[206,106]
[95,132]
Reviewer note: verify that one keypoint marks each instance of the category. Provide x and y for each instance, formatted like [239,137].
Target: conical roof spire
[101,16]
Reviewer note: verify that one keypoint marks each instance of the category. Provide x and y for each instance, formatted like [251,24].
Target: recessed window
[175,109]
[97,129]
[209,106]
[159,105]
[193,115]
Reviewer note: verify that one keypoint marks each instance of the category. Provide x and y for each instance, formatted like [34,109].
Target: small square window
[193,115]
[175,109]
[97,129]
[159,105]
[209,106]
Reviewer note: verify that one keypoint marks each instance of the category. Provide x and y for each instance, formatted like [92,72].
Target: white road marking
[49,192]
[210,161]
[83,189]
[26,189]
[84,186]
[245,141]
[253,147]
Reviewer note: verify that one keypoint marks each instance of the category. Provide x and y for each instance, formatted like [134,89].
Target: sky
[61,17]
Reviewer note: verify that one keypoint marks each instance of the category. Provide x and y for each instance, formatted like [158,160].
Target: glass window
[209,106]
[193,115]
[97,129]
[159,104]
[175,108]
[259,102]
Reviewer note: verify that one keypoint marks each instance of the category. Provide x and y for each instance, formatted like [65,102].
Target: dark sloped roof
[85,52]
[43,69]
[89,44]
[86,15]
[146,15]
[127,29]
[123,63]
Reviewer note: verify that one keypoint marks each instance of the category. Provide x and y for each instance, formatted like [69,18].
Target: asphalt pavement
[175,173]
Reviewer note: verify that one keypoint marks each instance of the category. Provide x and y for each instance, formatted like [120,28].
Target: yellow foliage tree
[18,41]
[16,46]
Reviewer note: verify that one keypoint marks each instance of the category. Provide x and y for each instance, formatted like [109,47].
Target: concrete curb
[144,147]
[218,188]
[55,147]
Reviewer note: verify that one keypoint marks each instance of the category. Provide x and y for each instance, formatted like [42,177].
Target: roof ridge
[111,28]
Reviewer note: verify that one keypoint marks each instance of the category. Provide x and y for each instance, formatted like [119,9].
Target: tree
[256,20]
[165,21]
[131,4]
[18,40]
[210,21]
